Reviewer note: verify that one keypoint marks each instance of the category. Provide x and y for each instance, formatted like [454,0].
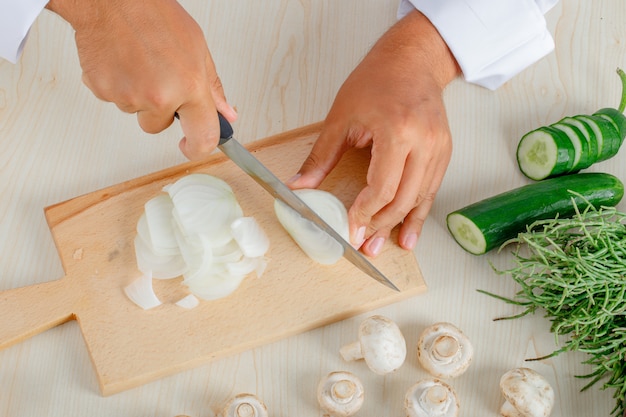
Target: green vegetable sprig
[574,270]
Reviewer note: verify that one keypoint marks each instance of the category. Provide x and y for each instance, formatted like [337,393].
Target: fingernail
[410,240]
[376,245]
[293,179]
[359,238]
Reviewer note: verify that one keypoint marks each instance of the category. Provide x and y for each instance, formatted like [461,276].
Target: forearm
[415,47]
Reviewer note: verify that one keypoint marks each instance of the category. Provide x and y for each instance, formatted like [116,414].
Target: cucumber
[591,138]
[545,152]
[489,223]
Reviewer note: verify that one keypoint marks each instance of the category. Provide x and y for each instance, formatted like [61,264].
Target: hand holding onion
[391,101]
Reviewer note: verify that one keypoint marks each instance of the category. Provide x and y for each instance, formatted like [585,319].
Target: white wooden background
[281,62]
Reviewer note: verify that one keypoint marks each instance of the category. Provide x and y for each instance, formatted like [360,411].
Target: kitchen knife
[255,169]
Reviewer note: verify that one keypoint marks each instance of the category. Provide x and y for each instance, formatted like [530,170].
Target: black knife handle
[226,130]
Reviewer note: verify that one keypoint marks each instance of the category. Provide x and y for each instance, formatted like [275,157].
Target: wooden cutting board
[129,346]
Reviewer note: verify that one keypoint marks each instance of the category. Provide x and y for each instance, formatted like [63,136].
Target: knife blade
[264,177]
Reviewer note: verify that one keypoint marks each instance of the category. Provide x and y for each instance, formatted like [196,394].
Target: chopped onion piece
[158,218]
[188,302]
[197,229]
[160,267]
[317,244]
[250,236]
[214,286]
[140,292]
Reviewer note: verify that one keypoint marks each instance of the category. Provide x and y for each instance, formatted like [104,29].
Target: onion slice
[188,302]
[196,228]
[250,236]
[140,292]
[316,243]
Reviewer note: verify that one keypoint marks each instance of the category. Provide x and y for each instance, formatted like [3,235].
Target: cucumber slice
[618,119]
[545,152]
[579,143]
[588,133]
[608,137]
[489,223]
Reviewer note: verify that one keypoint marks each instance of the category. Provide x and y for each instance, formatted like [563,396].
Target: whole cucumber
[489,223]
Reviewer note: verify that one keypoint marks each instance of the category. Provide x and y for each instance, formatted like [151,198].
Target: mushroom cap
[340,394]
[527,393]
[245,405]
[431,397]
[382,344]
[444,351]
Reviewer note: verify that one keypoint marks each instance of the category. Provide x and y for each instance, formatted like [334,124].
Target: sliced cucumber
[610,140]
[582,158]
[489,223]
[585,129]
[545,152]
[592,138]
[618,119]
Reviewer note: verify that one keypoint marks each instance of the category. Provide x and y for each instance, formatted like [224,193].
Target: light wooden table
[281,63]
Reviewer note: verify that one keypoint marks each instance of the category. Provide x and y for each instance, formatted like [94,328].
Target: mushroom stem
[444,351]
[446,347]
[340,394]
[245,405]
[351,352]
[244,410]
[434,399]
[431,398]
[343,391]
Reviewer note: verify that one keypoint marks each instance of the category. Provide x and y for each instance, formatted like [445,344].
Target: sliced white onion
[188,302]
[250,237]
[317,244]
[196,229]
[160,267]
[214,286]
[158,217]
[140,292]
[204,206]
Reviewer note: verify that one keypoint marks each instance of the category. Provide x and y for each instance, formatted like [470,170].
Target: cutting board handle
[33,309]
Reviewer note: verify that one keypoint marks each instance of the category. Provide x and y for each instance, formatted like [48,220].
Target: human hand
[150,58]
[393,102]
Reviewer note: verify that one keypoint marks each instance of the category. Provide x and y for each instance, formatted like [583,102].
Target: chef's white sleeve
[492,40]
[16,19]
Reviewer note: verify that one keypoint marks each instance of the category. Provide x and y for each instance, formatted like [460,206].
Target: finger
[383,179]
[411,228]
[154,122]
[324,156]
[200,125]
[217,92]
[415,174]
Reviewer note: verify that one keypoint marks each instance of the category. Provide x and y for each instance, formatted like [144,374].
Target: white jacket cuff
[492,41]
[15,21]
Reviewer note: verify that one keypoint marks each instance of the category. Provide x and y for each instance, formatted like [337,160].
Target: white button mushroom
[527,394]
[444,351]
[431,397]
[380,343]
[244,405]
[340,394]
